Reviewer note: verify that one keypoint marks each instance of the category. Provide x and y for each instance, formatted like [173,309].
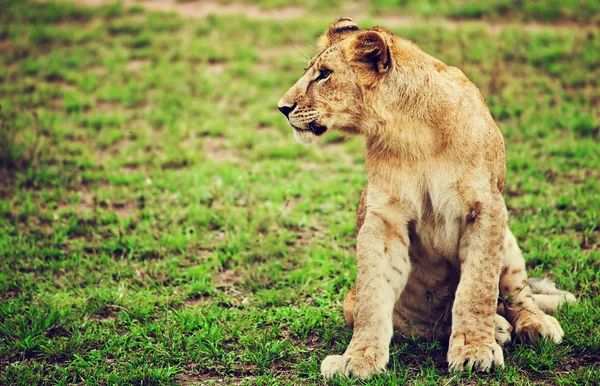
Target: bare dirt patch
[98,70]
[93,3]
[208,378]
[135,65]
[7,182]
[87,202]
[230,278]
[5,46]
[189,379]
[229,283]
[10,294]
[203,253]
[124,209]
[214,148]
[216,67]
[201,9]
[590,242]
[106,106]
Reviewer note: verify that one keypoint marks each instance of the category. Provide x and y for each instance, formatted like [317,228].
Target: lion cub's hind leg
[547,296]
[529,321]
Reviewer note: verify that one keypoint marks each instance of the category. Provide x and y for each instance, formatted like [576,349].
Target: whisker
[304,52]
[310,46]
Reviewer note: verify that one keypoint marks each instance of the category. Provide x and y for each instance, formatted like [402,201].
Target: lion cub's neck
[403,142]
[436,119]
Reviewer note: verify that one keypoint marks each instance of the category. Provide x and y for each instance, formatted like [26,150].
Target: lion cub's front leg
[382,266]
[472,343]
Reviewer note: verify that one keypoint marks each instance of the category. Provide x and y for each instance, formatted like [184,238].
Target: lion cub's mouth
[314,128]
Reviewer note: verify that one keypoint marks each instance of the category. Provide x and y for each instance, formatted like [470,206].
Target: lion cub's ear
[337,31]
[370,47]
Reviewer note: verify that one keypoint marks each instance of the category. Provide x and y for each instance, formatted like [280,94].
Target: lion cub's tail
[547,296]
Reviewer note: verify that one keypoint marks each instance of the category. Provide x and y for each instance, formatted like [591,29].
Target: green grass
[537,10]
[159,225]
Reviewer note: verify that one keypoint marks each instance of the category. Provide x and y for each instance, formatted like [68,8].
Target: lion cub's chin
[305,137]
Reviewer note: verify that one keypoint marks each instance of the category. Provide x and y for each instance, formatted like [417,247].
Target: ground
[159,225]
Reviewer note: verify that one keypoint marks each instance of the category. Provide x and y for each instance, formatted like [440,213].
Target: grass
[563,11]
[159,225]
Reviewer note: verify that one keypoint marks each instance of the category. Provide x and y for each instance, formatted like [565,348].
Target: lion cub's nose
[286,110]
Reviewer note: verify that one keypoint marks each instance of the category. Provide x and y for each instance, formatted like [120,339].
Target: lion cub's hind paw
[532,328]
[478,357]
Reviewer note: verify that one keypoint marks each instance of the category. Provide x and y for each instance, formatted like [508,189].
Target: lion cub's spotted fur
[433,247]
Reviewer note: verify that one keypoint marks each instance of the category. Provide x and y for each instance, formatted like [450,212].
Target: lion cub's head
[337,89]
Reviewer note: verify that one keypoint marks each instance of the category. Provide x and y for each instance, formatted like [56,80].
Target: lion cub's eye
[323,74]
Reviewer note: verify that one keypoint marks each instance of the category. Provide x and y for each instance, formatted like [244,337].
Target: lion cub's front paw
[531,327]
[476,356]
[361,364]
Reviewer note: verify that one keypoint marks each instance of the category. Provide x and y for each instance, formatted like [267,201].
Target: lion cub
[433,244]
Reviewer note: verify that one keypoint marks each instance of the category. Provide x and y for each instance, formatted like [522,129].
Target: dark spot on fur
[390,230]
[346,29]
[393,201]
[500,184]
[516,271]
[474,212]
[440,66]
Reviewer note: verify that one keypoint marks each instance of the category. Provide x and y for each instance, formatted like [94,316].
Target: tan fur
[433,246]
